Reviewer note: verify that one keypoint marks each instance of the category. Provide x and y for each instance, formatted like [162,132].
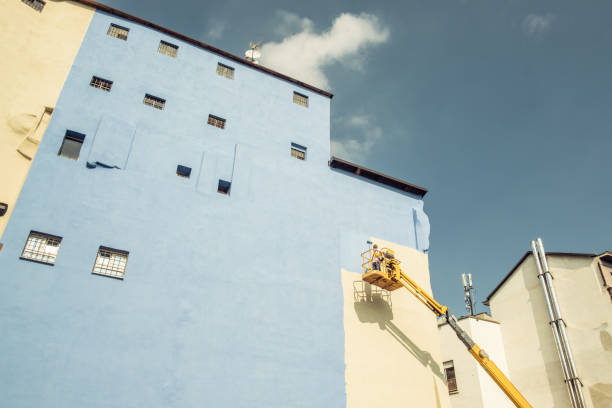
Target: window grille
[118,32]
[300,99]
[154,101]
[224,187]
[41,248]
[216,121]
[37,5]
[297,151]
[101,83]
[167,49]
[183,171]
[110,262]
[225,71]
[451,380]
[71,146]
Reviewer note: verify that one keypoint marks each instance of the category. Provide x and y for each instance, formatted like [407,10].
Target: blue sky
[502,109]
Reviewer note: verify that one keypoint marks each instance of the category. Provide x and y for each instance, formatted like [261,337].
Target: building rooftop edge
[480,316]
[111,10]
[376,176]
[486,301]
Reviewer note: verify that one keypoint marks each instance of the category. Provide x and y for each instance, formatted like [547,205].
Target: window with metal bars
[37,5]
[154,101]
[167,49]
[71,145]
[101,83]
[451,380]
[117,31]
[41,248]
[216,121]
[298,151]
[300,99]
[225,71]
[110,262]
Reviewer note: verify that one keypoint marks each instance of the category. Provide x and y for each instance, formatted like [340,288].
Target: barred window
[298,151]
[101,83]
[110,262]
[118,32]
[41,248]
[35,4]
[451,380]
[225,71]
[216,121]
[154,101]
[167,49]
[71,145]
[300,99]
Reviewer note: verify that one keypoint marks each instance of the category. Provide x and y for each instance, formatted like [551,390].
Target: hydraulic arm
[382,269]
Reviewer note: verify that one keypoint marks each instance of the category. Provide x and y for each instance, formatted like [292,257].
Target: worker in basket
[377,258]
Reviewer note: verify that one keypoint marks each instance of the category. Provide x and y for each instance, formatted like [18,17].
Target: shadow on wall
[373,305]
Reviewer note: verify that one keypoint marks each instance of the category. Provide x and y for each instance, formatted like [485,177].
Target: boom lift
[382,269]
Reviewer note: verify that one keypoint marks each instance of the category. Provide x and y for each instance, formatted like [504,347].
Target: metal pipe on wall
[553,326]
[574,380]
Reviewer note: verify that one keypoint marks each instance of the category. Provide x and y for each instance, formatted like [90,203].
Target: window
[183,171]
[298,151]
[167,49]
[118,32]
[224,187]
[41,248]
[110,262]
[216,121]
[35,4]
[154,101]
[451,380]
[71,146]
[225,71]
[101,83]
[300,99]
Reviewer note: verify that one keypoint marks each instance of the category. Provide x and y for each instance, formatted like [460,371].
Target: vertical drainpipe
[557,324]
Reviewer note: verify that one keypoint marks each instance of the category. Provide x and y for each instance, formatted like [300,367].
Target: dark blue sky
[502,109]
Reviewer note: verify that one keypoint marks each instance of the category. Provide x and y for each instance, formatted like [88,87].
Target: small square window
[451,380]
[183,171]
[300,99]
[167,49]
[224,187]
[71,146]
[216,121]
[118,32]
[110,262]
[154,101]
[298,151]
[37,5]
[101,83]
[225,71]
[41,248]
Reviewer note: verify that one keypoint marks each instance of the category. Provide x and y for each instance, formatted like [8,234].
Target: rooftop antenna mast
[253,54]
[468,289]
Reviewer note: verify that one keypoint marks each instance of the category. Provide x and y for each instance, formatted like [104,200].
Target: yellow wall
[392,345]
[37,52]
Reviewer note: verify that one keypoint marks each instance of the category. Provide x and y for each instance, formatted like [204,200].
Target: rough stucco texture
[227,300]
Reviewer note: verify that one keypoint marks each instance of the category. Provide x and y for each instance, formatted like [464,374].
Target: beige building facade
[582,283]
[41,40]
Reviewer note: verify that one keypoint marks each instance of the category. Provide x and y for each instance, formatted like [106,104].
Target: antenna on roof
[253,54]
[468,289]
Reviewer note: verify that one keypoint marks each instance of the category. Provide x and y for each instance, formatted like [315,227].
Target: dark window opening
[71,145]
[298,151]
[37,5]
[154,101]
[451,380]
[101,83]
[224,187]
[183,171]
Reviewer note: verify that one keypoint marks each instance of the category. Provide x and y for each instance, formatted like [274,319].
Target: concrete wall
[227,300]
[475,388]
[37,51]
[532,356]
[392,349]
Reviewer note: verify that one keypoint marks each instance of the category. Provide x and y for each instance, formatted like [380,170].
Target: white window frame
[300,99]
[117,31]
[168,49]
[110,262]
[42,248]
[225,71]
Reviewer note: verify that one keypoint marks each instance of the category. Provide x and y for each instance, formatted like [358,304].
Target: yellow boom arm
[382,269]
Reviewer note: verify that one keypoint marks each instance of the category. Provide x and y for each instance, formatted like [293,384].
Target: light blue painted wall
[229,301]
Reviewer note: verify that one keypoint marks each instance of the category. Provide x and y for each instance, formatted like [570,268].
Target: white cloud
[215,29]
[305,53]
[363,138]
[536,25]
